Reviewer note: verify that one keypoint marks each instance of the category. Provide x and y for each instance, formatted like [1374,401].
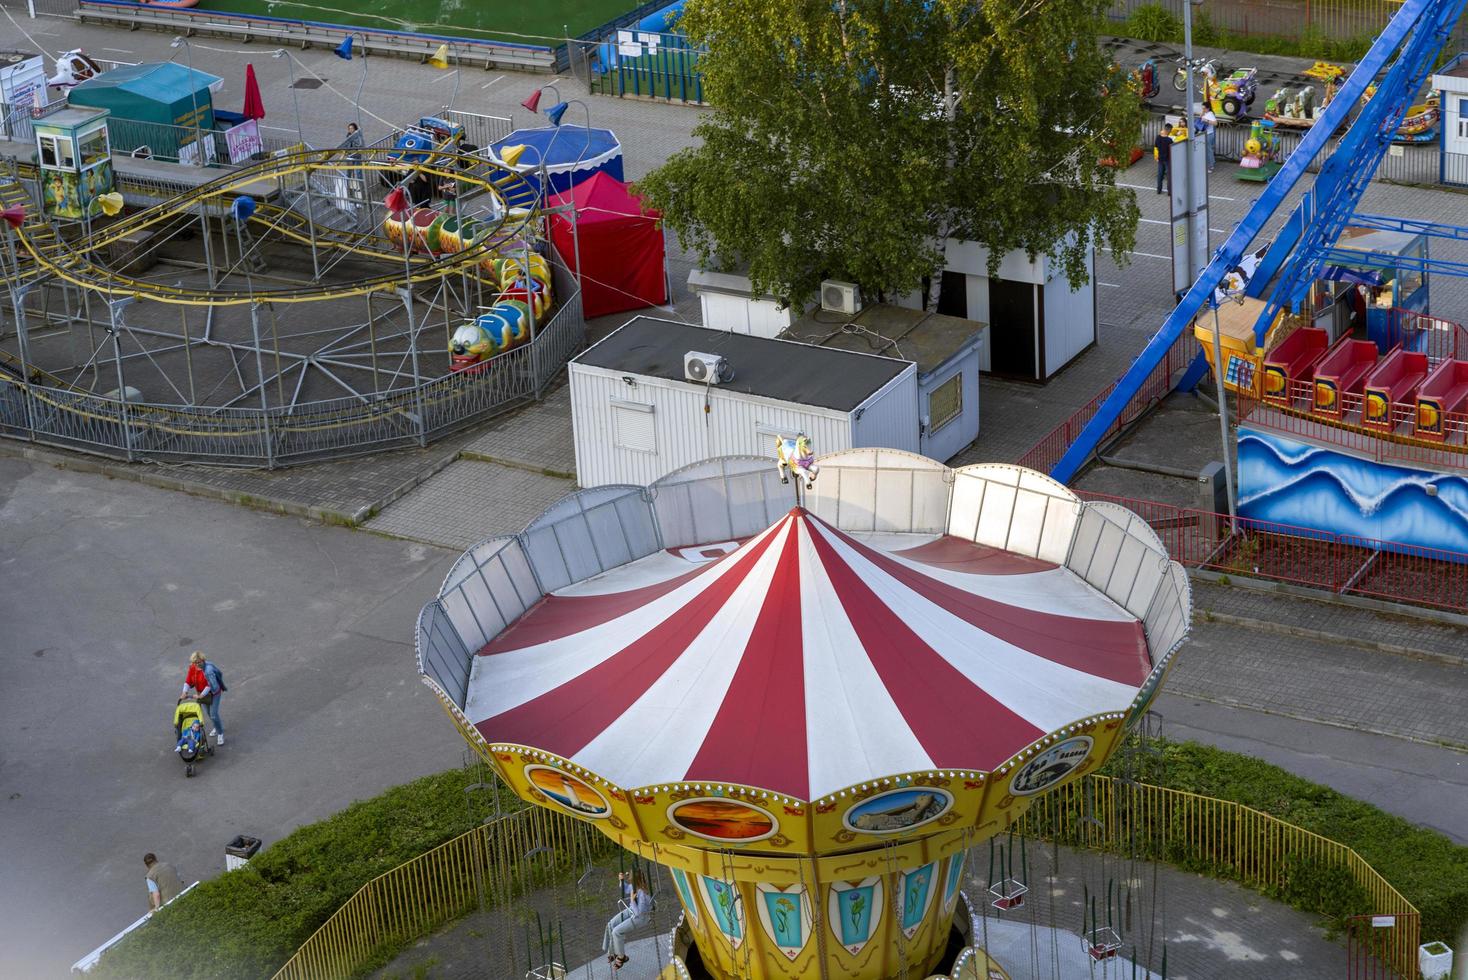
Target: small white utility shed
[636,416]
[1451,84]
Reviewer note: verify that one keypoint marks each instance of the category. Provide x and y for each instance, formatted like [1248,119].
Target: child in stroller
[188,728]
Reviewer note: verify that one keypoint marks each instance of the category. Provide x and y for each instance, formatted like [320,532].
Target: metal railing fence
[484,867]
[1216,837]
[1220,838]
[285,435]
[643,64]
[1323,20]
[1159,384]
[1416,164]
[1347,564]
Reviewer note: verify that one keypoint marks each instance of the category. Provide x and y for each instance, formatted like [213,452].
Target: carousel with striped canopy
[812,718]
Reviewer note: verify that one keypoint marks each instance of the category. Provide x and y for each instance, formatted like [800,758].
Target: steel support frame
[1412,15]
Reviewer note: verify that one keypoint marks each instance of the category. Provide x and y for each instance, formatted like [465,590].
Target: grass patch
[248,922]
[1153,22]
[1428,869]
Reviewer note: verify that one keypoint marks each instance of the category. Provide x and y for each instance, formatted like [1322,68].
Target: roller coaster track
[517,200]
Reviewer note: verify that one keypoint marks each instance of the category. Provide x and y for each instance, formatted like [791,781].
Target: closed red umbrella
[254,106]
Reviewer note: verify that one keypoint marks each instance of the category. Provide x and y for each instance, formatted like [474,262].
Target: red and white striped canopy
[806,660]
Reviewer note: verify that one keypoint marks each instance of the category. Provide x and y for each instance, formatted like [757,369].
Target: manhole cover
[308,83]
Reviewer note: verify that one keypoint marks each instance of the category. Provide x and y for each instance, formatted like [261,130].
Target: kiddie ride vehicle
[423,142]
[1297,109]
[1261,157]
[1419,123]
[521,280]
[72,68]
[1230,98]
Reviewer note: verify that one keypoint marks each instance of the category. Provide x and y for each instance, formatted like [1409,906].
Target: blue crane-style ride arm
[1413,13]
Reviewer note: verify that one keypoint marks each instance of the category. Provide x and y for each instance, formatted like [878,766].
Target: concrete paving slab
[470,501]
[105,588]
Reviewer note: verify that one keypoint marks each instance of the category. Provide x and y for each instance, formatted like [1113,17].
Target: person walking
[164,884]
[1162,152]
[206,678]
[1208,126]
[354,137]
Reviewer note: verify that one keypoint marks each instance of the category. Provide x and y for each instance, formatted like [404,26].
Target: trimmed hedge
[1154,22]
[1428,869]
[248,922]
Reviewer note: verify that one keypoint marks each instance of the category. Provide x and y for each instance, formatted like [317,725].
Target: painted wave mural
[1297,483]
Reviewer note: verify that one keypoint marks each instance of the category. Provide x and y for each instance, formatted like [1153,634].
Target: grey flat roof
[930,339]
[779,369]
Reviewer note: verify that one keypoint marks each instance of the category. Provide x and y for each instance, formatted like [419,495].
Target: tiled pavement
[537,438]
[469,501]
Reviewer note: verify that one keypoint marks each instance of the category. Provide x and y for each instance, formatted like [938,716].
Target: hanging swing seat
[1102,943]
[1008,894]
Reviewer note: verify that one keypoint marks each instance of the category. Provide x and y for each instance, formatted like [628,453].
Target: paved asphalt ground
[106,585]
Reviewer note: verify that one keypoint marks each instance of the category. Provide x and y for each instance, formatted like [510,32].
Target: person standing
[1162,152]
[206,678]
[164,884]
[1208,125]
[354,137]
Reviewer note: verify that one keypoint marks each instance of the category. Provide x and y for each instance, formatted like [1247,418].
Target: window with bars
[945,403]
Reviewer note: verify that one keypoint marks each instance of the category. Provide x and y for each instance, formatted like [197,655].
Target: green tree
[850,138]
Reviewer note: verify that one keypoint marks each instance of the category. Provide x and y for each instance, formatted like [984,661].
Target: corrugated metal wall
[889,419]
[735,424]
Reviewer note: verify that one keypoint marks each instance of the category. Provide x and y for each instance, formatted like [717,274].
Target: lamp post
[306,181]
[295,99]
[181,42]
[1195,260]
[344,52]
[1218,372]
[441,59]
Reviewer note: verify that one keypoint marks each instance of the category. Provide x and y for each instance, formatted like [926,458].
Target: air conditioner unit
[706,369]
[839,297]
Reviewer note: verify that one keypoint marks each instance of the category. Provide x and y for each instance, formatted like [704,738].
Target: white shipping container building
[636,417]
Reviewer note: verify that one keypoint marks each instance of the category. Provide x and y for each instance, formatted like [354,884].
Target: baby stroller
[188,728]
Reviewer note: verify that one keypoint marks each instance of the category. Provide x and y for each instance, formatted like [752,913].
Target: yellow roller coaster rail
[517,200]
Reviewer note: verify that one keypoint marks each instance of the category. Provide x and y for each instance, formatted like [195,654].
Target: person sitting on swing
[636,914]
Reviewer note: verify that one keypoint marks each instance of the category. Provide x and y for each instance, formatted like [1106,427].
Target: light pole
[441,59]
[344,52]
[181,42]
[295,99]
[1218,372]
[1195,260]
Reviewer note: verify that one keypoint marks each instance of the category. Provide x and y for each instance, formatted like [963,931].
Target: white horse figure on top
[797,456]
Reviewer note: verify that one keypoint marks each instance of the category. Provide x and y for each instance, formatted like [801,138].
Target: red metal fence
[1342,563]
[1044,454]
[1382,947]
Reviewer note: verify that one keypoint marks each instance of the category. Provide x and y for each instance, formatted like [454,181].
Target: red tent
[621,246]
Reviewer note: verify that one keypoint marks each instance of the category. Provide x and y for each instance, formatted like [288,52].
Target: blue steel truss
[1408,45]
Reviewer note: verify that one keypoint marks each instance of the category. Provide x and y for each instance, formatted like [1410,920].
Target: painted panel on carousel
[685,892]
[785,915]
[722,820]
[952,882]
[1051,766]
[568,792]
[854,910]
[898,810]
[727,907]
[1293,482]
[916,888]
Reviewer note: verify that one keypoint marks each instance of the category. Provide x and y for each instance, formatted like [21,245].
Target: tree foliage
[849,138]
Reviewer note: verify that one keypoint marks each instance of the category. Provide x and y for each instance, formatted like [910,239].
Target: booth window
[56,152]
[945,403]
[632,426]
[1463,119]
[94,148]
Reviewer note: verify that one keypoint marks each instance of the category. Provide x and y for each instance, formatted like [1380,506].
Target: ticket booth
[75,161]
[1366,296]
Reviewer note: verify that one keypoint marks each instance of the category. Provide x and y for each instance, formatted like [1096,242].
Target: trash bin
[237,853]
